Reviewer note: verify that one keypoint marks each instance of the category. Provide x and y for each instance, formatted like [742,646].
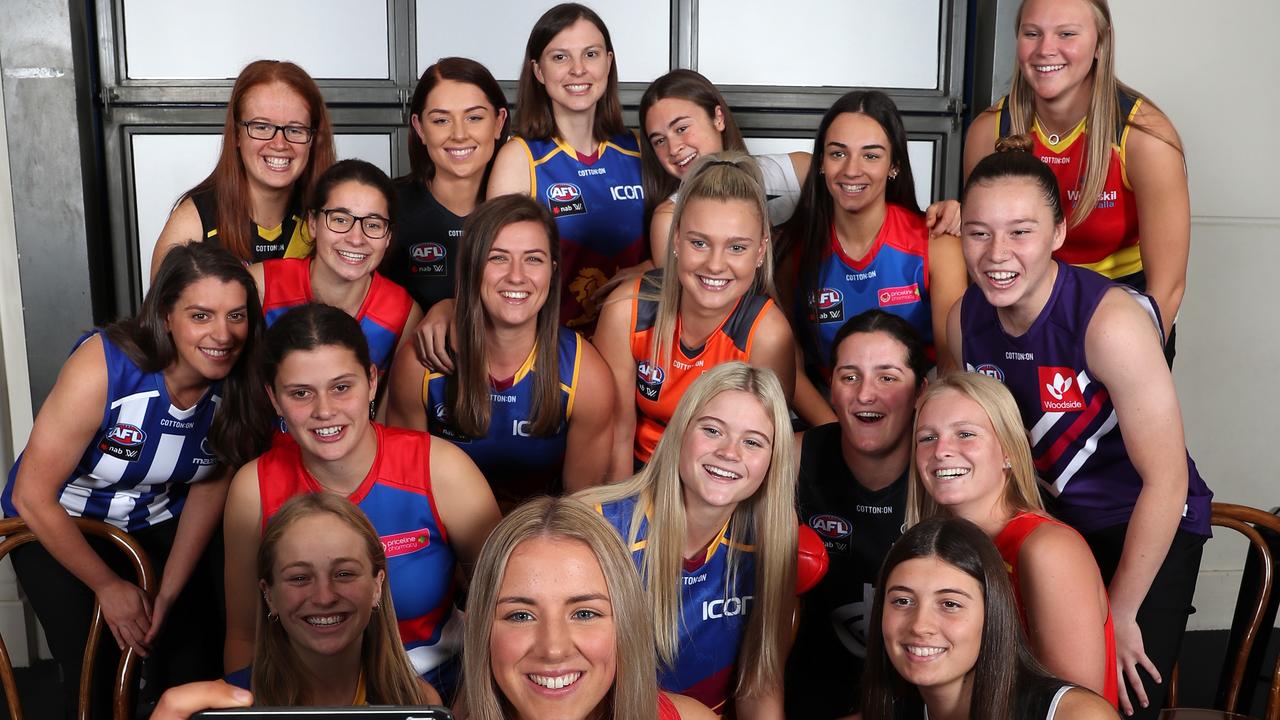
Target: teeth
[869,415]
[852,188]
[514,294]
[924,651]
[277,162]
[211,352]
[688,159]
[557,682]
[1002,276]
[328,431]
[352,257]
[324,620]
[1048,68]
[950,472]
[721,472]
[460,153]
[713,282]
[577,88]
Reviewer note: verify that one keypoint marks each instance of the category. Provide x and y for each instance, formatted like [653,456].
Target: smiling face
[1008,236]
[517,275]
[209,324]
[873,391]
[726,451]
[958,456]
[553,647]
[932,624]
[459,128]
[1057,46]
[574,67]
[324,587]
[351,255]
[680,131]
[323,395]
[720,244]
[856,162]
[273,164]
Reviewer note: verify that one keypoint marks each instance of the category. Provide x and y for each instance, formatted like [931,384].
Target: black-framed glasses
[296,134]
[375,227]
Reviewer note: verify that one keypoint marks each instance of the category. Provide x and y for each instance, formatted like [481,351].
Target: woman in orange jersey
[658,334]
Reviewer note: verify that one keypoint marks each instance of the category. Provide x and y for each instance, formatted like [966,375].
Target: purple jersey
[1074,432]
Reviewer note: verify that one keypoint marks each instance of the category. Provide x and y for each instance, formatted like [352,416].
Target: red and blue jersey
[1071,422]
[143,457]
[599,211]
[893,276]
[517,464]
[397,498]
[382,315]
[717,599]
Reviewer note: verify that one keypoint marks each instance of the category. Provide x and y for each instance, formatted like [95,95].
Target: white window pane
[920,152]
[197,40]
[165,166]
[641,34]
[862,43]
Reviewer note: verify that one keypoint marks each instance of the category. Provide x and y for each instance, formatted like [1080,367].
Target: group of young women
[648,310]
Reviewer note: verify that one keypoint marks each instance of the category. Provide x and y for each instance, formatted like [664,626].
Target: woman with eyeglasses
[350,216]
[275,142]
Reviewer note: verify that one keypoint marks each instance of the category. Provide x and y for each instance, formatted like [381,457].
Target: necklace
[1054,138]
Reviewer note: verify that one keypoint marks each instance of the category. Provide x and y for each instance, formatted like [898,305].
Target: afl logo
[831,526]
[563,192]
[829,297]
[650,373]
[990,371]
[427,252]
[127,435]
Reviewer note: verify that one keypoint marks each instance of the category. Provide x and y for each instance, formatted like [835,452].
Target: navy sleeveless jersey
[288,239]
[146,452]
[423,256]
[716,599]
[599,213]
[517,464]
[1075,435]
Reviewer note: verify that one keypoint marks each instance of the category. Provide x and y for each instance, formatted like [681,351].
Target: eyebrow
[306,565]
[473,108]
[345,376]
[673,122]
[872,146]
[939,591]
[522,600]
[731,238]
[202,308]
[882,366]
[763,435]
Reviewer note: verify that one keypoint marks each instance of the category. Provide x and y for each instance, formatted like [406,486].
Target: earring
[893,174]
[1008,465]
[272,617]
[377,606]
[373,408]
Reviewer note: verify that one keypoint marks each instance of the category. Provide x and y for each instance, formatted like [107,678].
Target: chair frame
[1243,520]
[16,534]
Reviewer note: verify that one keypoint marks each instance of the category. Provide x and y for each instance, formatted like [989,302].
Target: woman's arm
[808,402]
[1123,348]
[660,231]
[259,275]
[182,227]
[407,333]
[800,162]
[462,495]
[947,282]
[432,338]
[1080,704]
[613,340]
[943,218]
[183,701]
[768,706]
[241,532]
[404,392]
[955,336]
[980,141]
[61,431]
[1066,606]
[590,442]
[511,174]
[690,709]
[1156,170]
[774,347]
[200,517]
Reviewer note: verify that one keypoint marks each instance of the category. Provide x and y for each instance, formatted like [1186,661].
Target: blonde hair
[1022,492]
[721,176]
[767,520]
[634,693]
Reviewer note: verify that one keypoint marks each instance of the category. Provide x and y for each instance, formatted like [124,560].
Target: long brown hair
[534,119]
[229,182]
[467,391]
[388,675]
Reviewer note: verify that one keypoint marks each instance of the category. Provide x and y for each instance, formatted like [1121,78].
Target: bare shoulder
[1080,704]
[1056,544]
[1155,129]
[689,708]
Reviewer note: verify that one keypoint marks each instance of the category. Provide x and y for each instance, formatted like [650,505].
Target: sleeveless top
[517,464]
[599,213]
[397,497]
[382,315]
[1073,428]
[146,451]
[666,709]
[423,256]
[1107,241]
[289,239]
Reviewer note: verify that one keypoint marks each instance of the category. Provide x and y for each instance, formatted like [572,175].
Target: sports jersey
[517,464]
[1074,432]
[1009,542]
[716,602]
[666,709]
[857,526]
[893,276]
[397,498]
[423,256]
[659,389]
[599,213]
[286,284]
[1107,241]
[144,455]
[288,239]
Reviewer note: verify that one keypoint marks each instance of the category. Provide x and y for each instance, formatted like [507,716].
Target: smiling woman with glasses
[352,210]
[276,142]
